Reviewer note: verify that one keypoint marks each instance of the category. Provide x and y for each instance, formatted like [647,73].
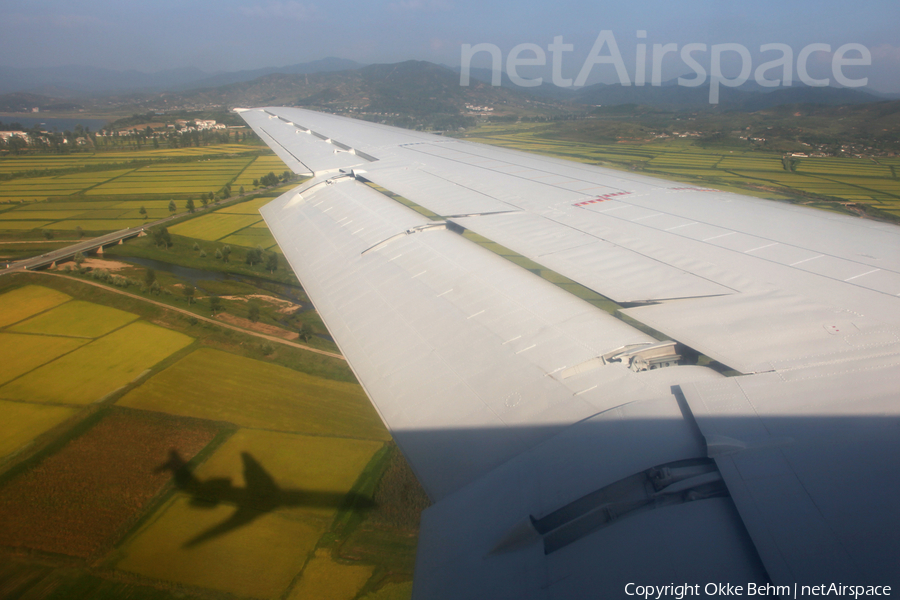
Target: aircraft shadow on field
[260,496]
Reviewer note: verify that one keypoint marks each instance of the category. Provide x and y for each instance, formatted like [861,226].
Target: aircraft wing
[566,453]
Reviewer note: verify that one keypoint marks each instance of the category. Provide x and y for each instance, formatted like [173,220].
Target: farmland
[95,468]
[210,384]
[75,500]
[105,191]
[851,185]
[76,318]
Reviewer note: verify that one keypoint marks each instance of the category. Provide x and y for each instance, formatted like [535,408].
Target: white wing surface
[563,463]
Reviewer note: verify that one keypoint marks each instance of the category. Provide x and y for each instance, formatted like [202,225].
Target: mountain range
[411,88]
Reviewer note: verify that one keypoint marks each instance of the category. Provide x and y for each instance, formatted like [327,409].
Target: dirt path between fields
[263,336]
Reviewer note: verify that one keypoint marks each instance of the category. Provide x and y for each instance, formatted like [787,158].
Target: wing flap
[807,461]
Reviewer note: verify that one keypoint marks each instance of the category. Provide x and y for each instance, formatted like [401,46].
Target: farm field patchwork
[74,501]
[211,384]
[103,500]
[838,178]
[98,368]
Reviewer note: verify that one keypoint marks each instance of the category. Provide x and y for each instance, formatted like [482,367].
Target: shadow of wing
[242,516]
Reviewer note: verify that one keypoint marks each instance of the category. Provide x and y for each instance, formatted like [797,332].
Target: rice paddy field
[286,481]
[106,191]
[837,181]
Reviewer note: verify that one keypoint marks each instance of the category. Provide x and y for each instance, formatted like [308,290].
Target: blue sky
[231,35]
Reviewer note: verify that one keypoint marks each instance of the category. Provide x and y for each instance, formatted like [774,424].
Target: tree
[253,312]
[305,332]
[256,183]
[149,278]
[203,200]
[253,256]
[219,254]
[48,235]
[79,232]
[190,205]
[188,292]
[172,206]
[154,288]
[215,304]
[226,252]
[78,258]
[196,246]
[143,212]
[272,262]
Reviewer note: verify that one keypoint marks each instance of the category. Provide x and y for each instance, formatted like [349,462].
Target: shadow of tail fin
[183,476]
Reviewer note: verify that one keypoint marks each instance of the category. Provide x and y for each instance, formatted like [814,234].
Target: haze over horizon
[231,35]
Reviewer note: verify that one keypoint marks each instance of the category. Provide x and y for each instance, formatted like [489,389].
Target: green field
[210,384]
[93,371]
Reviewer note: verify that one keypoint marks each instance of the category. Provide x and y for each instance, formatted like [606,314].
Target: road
[263,336]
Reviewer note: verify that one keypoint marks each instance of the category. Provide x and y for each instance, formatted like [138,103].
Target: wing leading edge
[511,399]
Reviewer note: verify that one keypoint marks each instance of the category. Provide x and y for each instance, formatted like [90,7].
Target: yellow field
[263,165]
[326,579]
[24,215]
[259,559]
[78,319]
[297,463]
[23,422]
[210,384]
[251,237]
[104,365]
[251,207]
[27,301]
[24,224]
[213,226]
[96,224]
[20,354]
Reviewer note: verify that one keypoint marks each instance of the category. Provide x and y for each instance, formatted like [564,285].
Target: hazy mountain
[79,80]
[74,80]
[325,65]
[413,88]
[22,102]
